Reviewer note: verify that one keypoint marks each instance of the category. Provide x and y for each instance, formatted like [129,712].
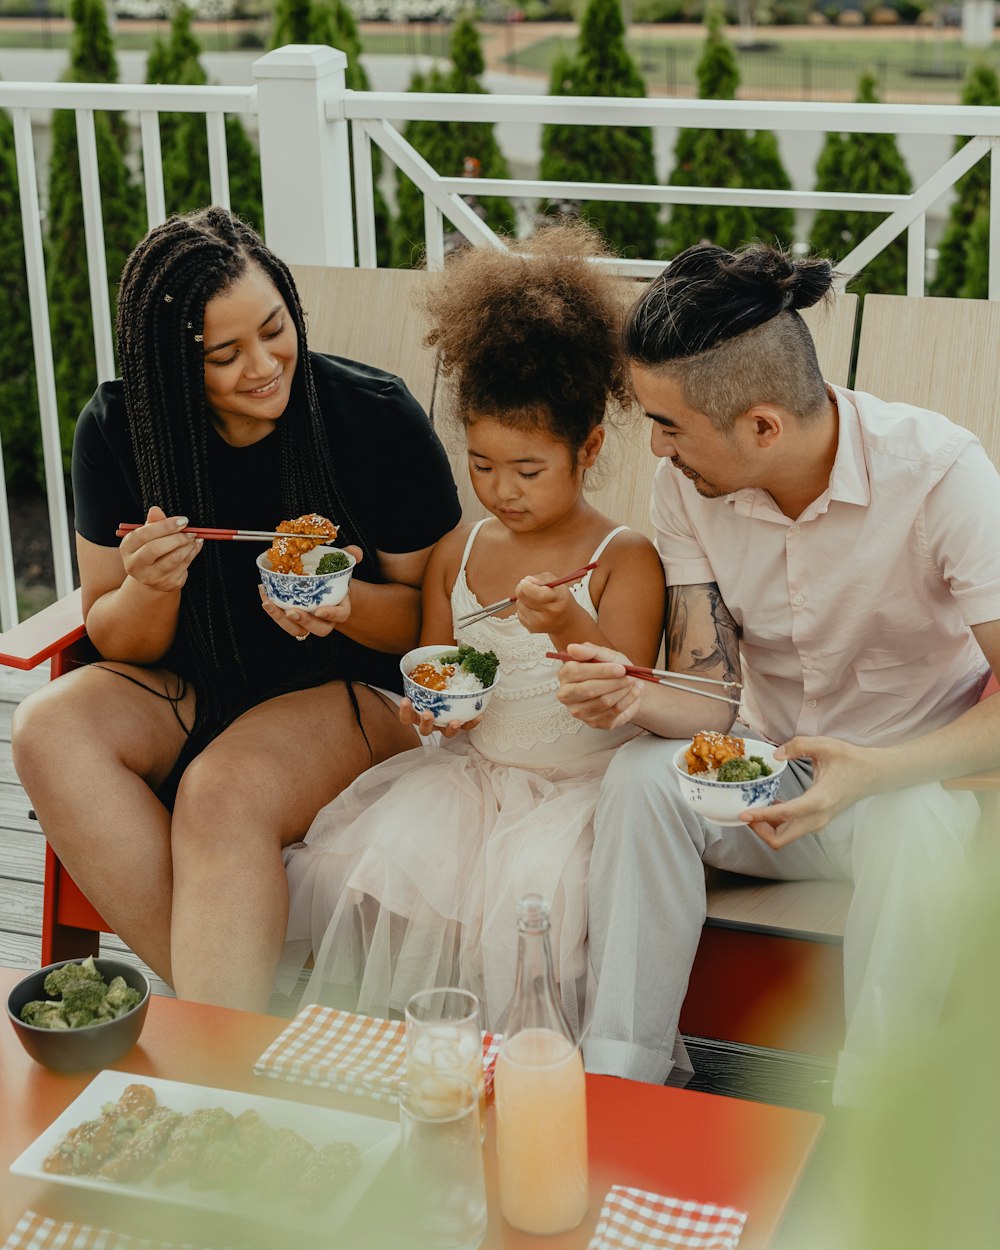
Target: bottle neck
[536,997]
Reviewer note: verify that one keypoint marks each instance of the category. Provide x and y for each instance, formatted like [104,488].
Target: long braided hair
[167,281]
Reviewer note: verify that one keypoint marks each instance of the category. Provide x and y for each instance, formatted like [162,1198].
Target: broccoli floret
[44,1015]
[481,664]
[82,1003]
[765,769]
[333,562]
[120,998]
[60,980]
[738,769]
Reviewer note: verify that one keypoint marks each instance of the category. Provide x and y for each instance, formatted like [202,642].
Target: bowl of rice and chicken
[723,775]
[454,683]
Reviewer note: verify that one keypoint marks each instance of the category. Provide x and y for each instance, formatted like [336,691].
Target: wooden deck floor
[22,850]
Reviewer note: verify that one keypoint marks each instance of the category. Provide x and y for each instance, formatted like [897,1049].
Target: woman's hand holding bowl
[321,621]
[156,554]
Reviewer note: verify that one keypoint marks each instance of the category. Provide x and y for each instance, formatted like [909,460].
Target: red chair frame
[71,925]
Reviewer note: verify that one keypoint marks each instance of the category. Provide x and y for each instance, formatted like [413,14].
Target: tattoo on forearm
[719,633]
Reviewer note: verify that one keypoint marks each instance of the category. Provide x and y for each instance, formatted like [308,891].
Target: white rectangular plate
[375,1139]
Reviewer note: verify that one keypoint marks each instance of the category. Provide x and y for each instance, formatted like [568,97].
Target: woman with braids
[410,878]
[840,552]
[215,725]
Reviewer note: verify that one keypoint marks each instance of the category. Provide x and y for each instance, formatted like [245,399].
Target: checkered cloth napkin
[37,1232]
[349,1053]
[632,1219]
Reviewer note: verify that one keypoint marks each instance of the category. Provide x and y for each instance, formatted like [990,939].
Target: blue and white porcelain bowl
[308,590]
[446,705]
[722,801]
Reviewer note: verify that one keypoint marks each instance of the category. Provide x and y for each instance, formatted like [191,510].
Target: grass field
[910,67]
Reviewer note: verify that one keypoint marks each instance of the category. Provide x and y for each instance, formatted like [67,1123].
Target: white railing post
[305,159]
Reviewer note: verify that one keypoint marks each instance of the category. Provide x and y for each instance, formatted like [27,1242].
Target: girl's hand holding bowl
[425,723]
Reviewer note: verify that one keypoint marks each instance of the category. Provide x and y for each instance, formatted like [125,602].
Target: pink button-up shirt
[855,616]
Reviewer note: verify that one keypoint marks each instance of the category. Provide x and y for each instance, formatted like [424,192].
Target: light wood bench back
[370,315]
[940,354]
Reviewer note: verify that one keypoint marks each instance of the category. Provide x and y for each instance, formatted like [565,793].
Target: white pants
[647,908]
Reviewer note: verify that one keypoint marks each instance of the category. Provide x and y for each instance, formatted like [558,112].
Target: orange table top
[686,1145]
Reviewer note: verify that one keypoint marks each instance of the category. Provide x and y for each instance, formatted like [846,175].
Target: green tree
[91,60]
[333,24]
[602,66]
[183,139]
[976,258]
[861,163]
[446,146]
[19,432]
[292,22]
[963,256]
[725,158]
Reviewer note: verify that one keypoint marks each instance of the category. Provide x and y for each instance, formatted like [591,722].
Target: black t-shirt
[392,470]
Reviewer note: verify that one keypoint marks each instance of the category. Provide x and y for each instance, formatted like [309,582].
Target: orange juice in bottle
[541,1106]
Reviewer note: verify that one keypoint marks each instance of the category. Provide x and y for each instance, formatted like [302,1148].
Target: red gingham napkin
[349,1053]
[632,1219]
[37,1232]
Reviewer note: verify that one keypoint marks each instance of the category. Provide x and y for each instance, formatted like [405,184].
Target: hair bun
[811,280]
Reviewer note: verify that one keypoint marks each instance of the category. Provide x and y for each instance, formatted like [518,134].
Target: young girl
[409,879]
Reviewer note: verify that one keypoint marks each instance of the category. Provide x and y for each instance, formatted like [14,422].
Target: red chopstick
[502,604]
[253,536]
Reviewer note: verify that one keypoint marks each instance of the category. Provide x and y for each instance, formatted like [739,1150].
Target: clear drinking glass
[443,1035]
[442,1162]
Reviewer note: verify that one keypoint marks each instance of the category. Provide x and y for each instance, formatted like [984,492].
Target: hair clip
[199,338]
[168,299]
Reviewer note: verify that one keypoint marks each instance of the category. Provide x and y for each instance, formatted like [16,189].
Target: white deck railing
[313,132]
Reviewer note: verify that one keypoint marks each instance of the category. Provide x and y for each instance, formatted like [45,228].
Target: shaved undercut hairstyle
[167,281]
[725,327]
[532,333]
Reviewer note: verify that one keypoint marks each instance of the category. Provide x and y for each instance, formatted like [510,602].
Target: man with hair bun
[838,555]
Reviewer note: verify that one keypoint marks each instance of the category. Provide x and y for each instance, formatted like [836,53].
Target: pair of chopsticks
[247,536]
[659,676]
[481,613]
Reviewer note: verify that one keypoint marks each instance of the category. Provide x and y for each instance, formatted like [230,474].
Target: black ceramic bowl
[75,1050]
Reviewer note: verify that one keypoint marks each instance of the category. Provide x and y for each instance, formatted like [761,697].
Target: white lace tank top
[524,724]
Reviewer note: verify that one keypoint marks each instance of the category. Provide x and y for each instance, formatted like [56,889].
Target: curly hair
[532,333]
[166,282]
[725,325]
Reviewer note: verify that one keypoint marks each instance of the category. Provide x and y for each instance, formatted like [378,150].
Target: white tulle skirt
[410,879]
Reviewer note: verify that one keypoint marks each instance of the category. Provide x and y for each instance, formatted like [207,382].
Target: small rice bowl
[461,696]
[722,801]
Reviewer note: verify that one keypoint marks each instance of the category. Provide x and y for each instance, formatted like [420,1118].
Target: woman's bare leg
[254,790]
[90,749]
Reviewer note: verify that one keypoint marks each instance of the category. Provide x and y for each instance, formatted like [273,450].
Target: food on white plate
[137,1138]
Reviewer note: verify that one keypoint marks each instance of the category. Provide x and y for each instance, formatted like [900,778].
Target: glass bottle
[541,1102]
